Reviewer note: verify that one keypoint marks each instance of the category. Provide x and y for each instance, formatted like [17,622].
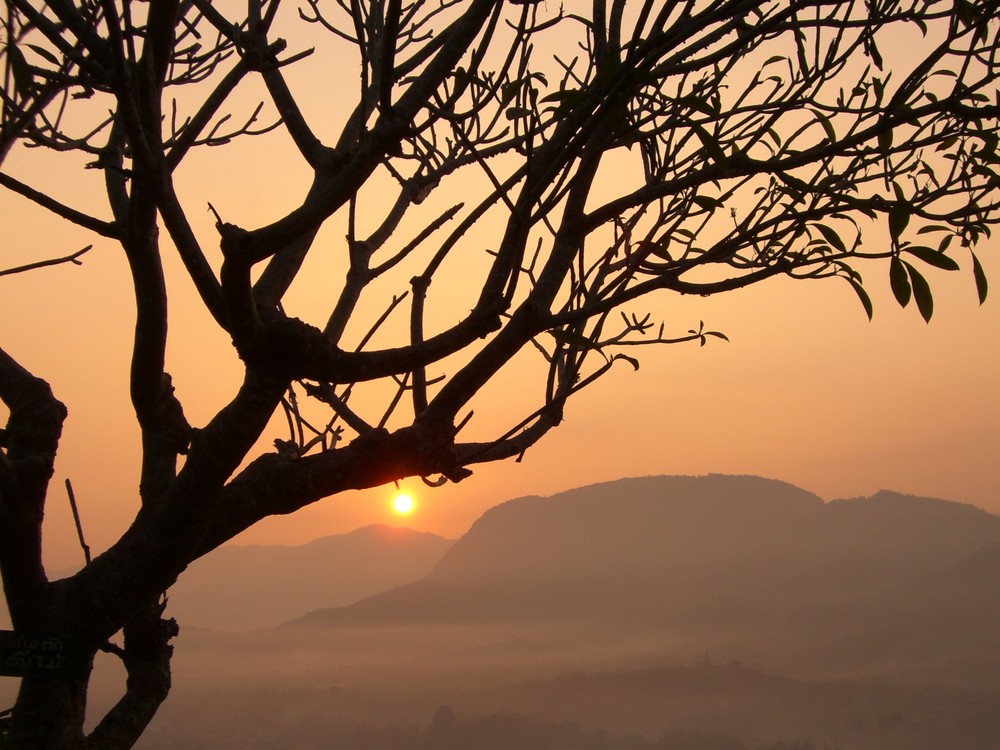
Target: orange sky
[808,391]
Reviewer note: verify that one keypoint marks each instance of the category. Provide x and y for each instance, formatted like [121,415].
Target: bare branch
[73,258]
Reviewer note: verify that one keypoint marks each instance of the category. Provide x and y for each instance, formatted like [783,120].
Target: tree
[582,163]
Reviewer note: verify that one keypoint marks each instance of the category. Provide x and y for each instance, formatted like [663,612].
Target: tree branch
[98,226]
[28,448]
[146,657]
[73,258]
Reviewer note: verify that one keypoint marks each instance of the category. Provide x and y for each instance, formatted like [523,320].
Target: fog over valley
[658,613]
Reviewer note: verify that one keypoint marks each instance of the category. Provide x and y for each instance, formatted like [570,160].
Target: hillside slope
[750,566]
[258,586]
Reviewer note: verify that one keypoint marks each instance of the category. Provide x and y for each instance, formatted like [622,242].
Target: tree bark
[49,715]
[146,656]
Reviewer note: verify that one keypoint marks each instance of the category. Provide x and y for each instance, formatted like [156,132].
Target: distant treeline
[702,707]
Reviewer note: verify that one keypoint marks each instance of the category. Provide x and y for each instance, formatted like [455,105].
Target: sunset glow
[403,504]
[807,390]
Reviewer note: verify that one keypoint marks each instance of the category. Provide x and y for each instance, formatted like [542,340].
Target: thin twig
[76,518]
[74,259]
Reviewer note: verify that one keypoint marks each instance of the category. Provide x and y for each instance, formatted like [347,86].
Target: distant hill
[258,586]
[562,622]
[721,559]
[641,546]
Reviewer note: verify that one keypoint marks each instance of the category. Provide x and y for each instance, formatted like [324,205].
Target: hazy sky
[808,391]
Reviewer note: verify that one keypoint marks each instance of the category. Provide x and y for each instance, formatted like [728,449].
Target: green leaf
[562,96]
[921,293]
[700,103]
[572,338]
[565,100]
[712,146]
[966,12]
[631,360]
[866,301]
[872,51]
[659,250]
[878,86]
[947,143]
[885,141]
[44,54]
[932,257]
[899,281]
[706,202]
[980,275]
[899,217]
[832,237]
[509,91]
[516,113]
[21,71]
[990,143]
[827,125]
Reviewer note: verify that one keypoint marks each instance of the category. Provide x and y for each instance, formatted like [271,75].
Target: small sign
[61,657]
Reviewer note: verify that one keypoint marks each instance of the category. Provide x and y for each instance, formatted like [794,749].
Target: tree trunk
[49,715]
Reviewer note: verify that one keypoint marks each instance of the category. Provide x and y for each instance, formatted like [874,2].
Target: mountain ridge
[248,587]
[756,522]
[741,560]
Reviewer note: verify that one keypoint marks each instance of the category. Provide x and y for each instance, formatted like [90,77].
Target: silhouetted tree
[618,149]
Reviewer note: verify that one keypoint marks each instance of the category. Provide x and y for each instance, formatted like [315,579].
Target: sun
[403,504]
